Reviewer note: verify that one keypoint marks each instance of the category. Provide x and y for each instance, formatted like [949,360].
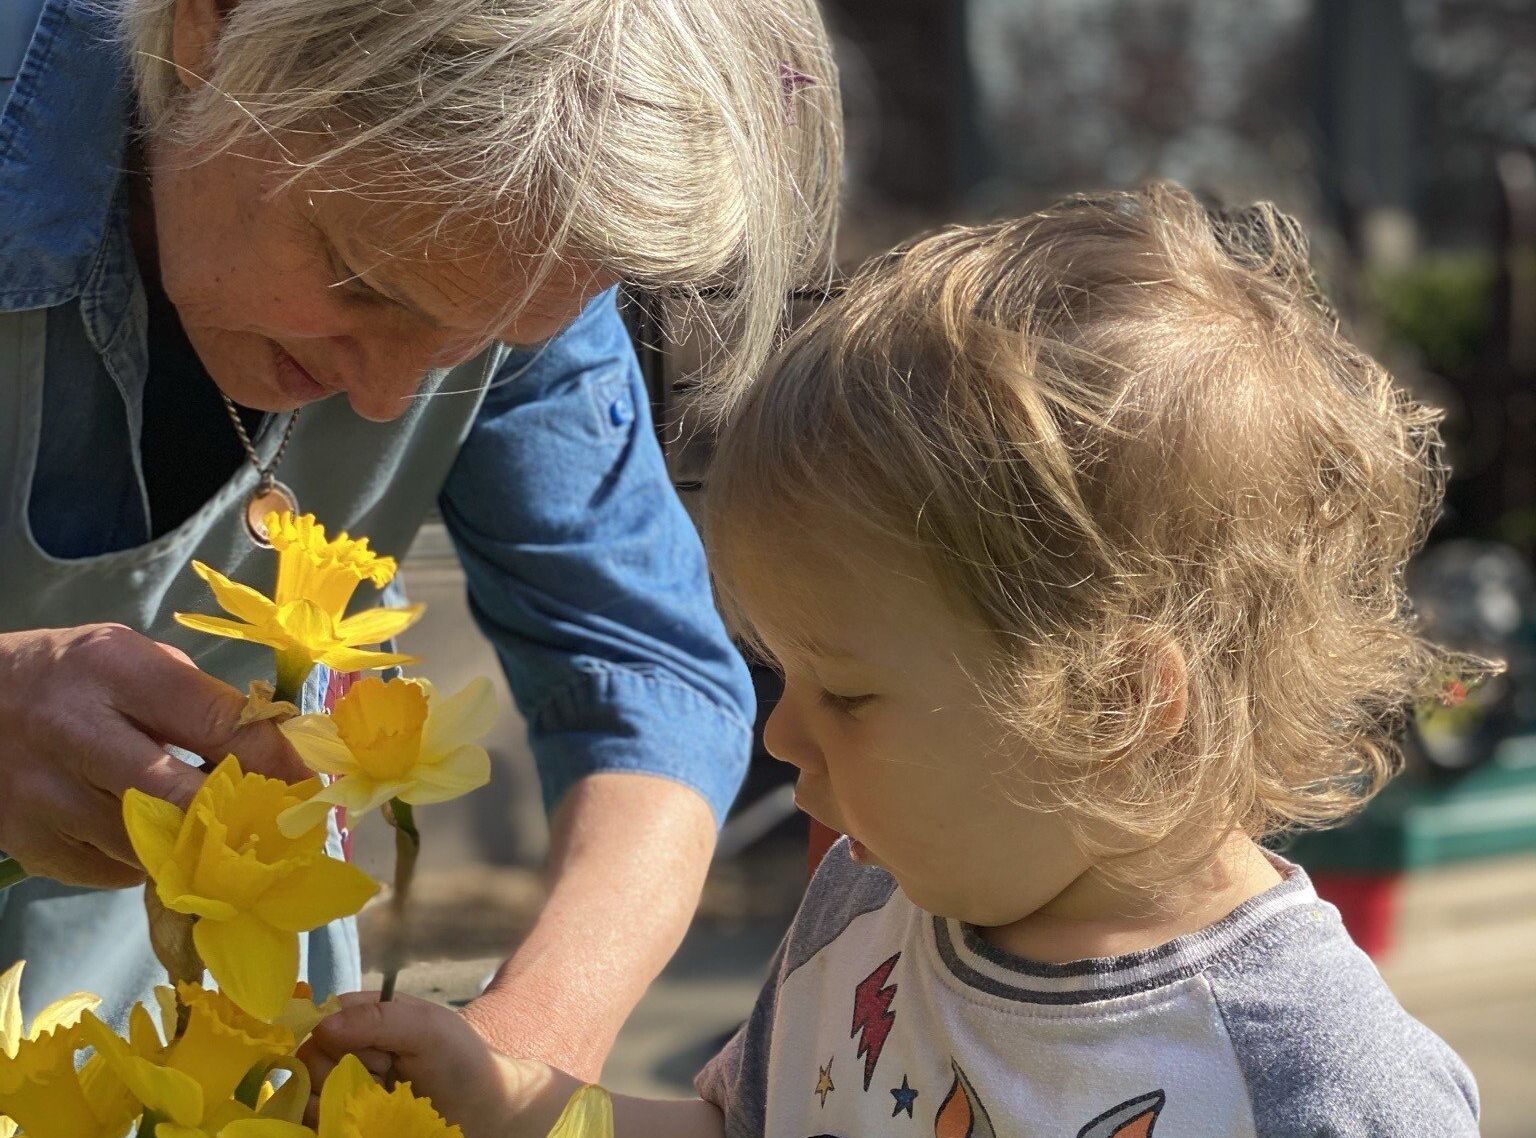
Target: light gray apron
[373,479]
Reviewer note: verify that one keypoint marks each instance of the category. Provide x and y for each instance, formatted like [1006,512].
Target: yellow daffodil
[305,619]
[352,1105]
[64,1013]
[236,1121]
[301,1014]
[252,888]
[189,1083]
[43,1093]
[392,740]
[589,1112]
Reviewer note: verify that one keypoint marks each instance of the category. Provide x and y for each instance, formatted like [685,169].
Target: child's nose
[785,737]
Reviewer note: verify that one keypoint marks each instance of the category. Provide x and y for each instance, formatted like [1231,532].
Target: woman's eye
[844,703]
[348,280]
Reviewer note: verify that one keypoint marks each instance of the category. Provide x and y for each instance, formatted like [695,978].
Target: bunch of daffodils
[245,870]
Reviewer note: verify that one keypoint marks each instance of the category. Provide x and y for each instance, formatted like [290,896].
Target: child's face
[883,714]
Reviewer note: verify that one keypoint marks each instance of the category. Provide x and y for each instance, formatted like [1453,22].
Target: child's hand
[487,1094]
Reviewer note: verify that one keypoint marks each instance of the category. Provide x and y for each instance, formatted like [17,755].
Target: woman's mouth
[295,381]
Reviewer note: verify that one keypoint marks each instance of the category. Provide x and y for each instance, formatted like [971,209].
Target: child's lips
[856,849]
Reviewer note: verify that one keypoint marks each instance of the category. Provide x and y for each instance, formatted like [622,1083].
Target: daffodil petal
[589,1111]
[322,891]
[222,626]
[360,660]
[153,824]
[195,906]
[289,1101]
[359,794]
[265,1128]
[347,1078]
[373,626]
[316,740]
[298,820]
[10,1008]
[465,769]
[169,1092]
[467,716]
[255,963]
[240,601]
[64,1012]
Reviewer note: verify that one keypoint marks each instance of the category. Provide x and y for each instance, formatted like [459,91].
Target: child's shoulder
[1323,1043]
[840,891]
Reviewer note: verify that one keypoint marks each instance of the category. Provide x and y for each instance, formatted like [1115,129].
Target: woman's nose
[787,739]
[388,380]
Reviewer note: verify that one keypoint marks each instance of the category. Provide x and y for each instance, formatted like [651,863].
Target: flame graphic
[1133,1118]
[962,1115]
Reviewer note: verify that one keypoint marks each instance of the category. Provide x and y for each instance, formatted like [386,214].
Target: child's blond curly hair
[1121,425]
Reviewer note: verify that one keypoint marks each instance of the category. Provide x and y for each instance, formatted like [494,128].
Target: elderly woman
[367,248]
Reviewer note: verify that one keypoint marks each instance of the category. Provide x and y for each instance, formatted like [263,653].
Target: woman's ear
[195,29]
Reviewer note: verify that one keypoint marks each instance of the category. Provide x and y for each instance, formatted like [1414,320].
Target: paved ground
[1465,961]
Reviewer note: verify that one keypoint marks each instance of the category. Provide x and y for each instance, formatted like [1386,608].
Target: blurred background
[1403,132]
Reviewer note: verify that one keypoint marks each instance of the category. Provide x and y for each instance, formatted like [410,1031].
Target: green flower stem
[11,873]
[407,848]
[292,670]
[149,1124]
[249,1090]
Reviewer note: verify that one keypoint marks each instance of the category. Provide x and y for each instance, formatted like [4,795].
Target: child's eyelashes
[844,703]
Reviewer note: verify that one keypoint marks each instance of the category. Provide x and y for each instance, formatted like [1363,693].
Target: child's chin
[859,852]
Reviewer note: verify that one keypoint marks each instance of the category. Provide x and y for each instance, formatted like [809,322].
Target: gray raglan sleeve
[1326,1049]
[736,1080]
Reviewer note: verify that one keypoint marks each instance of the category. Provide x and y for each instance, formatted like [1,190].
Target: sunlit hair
[672,143]
[1119,431]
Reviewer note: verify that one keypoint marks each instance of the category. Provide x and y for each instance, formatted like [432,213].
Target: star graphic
[905,1096]
[824,1085]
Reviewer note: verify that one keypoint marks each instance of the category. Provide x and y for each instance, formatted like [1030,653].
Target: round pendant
[263,502]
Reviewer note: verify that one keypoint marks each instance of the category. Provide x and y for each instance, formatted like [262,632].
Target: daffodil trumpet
[304,622]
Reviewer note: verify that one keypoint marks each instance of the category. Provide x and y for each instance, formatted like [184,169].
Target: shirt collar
[62,138]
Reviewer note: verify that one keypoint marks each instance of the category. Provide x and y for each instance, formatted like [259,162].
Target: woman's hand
[86,713]
[486,1094]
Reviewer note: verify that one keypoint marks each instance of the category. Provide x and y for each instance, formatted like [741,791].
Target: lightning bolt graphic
[873,1016]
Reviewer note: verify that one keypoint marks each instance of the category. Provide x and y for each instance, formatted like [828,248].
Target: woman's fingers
[159,688]
[116,757]
[85,716]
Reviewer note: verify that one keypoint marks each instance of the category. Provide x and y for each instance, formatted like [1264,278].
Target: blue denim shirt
[583,569]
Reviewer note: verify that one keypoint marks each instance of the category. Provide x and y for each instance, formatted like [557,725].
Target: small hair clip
[790,81]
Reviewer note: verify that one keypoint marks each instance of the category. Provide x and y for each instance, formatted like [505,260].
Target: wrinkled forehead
[469,273]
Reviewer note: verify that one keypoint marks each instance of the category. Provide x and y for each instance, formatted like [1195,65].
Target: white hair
[673,143]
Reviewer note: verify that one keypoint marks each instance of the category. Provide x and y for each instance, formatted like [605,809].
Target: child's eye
[844,703]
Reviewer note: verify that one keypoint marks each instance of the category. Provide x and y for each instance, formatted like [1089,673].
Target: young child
[1079,540]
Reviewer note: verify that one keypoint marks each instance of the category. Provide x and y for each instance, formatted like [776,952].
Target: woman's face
[292,293]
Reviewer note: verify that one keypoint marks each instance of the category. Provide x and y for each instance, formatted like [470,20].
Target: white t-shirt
[882,1020]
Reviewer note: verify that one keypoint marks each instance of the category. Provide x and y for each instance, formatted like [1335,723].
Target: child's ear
[1167,691]
[195,29]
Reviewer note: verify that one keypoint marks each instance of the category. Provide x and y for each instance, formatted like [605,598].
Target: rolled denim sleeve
[587,575]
